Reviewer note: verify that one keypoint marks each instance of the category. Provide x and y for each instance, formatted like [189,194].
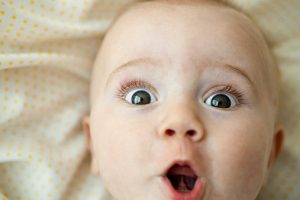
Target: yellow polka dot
[2,12]
[62,12]
[21,61]
[6,78]
[10,62]
[14,17]
[32,1]
[35,25]
[1,21]
[11,24]
[30,156]
[25,21]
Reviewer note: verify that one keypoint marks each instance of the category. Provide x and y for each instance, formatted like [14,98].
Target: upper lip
[181,163]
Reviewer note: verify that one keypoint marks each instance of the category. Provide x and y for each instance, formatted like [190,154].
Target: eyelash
[127,85]
[239,95]
[137,83]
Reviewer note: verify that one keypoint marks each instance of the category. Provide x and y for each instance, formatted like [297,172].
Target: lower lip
[195,194]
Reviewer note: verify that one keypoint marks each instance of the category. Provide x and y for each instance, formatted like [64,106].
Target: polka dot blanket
[47,49]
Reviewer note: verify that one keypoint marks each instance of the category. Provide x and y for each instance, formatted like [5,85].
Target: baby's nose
[181,122]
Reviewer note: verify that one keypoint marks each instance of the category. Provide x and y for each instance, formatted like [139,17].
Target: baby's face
[183,105]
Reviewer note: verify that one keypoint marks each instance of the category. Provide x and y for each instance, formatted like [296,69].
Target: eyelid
[230,90]
[128,85]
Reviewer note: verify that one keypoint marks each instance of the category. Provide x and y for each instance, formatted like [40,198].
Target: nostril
[191,132]
[170,132]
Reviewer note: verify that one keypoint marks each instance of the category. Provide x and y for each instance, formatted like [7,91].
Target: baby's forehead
[191,16]
[159,22]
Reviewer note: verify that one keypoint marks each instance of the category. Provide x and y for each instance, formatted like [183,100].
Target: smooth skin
[182,53]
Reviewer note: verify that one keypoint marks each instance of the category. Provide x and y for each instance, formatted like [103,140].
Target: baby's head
[184,100]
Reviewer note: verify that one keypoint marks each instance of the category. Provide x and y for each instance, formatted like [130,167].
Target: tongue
[182,183]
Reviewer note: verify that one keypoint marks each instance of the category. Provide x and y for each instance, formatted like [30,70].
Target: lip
[195,194]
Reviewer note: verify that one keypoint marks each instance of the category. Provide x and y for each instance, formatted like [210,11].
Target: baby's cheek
[241,153]
[117,146]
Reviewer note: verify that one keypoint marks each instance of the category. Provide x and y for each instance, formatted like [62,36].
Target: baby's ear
[86,127]
[277,144]
[278,140]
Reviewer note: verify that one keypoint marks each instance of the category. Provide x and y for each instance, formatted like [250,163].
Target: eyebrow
[129,64]
[239,71]
[151,62]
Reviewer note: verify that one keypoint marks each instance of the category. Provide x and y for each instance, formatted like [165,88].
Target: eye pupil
[140,98]
[221,101]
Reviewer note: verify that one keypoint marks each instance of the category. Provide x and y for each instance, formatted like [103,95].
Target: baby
[184,102]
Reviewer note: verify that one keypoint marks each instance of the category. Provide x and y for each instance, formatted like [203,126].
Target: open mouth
[182,178]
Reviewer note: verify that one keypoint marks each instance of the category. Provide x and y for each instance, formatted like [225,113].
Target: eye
[220,100]
[140,97]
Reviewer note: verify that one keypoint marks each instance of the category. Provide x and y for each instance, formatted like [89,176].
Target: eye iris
[140,98]
[221,101]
